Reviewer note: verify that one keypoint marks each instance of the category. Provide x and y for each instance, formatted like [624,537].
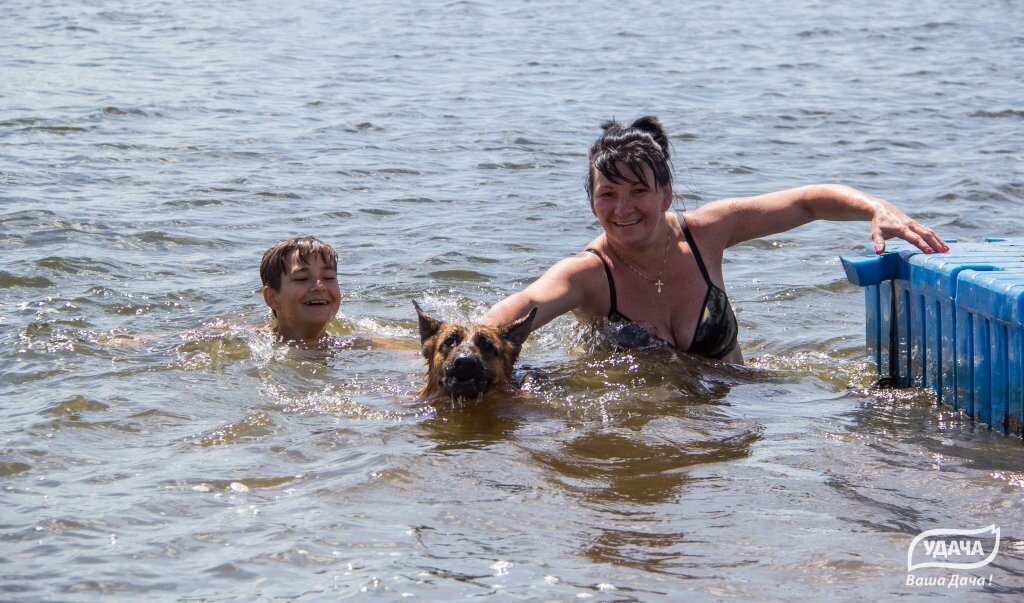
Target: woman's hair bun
[651,125]
[621,153]
[611,127]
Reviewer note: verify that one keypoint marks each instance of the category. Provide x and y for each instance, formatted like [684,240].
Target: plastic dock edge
[951,322]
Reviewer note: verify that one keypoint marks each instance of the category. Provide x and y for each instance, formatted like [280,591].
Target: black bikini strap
[613,311]
[696,255]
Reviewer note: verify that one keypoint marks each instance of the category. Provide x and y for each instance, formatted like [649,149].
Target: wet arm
[743,219]
[562,288]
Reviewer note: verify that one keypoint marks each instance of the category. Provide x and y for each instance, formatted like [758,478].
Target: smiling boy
[300,286]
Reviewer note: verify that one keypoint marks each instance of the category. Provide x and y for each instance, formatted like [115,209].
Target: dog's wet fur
[468,361]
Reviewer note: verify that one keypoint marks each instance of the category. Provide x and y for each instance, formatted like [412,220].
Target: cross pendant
[658,284]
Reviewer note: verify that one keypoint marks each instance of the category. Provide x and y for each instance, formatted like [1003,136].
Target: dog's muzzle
[466,376]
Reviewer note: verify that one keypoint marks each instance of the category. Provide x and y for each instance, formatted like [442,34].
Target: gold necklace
[656,282]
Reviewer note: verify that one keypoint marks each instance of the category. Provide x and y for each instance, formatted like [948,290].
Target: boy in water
[300,286]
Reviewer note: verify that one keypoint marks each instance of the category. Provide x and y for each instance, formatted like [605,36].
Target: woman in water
[659,273]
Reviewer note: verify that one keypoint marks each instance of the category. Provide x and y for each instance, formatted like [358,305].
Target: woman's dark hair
[644,142]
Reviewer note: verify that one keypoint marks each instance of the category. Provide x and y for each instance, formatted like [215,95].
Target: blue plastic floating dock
[951,322]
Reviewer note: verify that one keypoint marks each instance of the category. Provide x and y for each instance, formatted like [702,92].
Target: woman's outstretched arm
[732,221]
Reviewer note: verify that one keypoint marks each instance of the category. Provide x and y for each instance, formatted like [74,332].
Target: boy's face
[308,299]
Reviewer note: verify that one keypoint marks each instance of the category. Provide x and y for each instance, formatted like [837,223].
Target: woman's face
[630,212]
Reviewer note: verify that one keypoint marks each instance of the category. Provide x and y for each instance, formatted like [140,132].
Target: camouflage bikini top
[717,330]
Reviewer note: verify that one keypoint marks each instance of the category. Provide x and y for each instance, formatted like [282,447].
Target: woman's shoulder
[584,263]
[584,258]
[708,225]
[579,271]
[706,216]
[582,273]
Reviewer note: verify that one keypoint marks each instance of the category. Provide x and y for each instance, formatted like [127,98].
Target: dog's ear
[428,325]
[517,331]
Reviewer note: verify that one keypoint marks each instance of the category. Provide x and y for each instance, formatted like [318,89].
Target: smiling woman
[664,270]
[300,286]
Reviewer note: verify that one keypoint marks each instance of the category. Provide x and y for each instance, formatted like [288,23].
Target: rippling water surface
[152,443]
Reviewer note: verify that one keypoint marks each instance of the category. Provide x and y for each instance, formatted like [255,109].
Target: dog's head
[467,361]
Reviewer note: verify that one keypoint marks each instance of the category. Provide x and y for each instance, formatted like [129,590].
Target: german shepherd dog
[467,361]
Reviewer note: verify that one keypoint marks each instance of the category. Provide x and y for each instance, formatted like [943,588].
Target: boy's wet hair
[644,142]
[277,259]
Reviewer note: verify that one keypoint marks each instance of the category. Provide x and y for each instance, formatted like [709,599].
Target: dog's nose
[465,365]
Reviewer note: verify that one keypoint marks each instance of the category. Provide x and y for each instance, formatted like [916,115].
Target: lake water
[153,445]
